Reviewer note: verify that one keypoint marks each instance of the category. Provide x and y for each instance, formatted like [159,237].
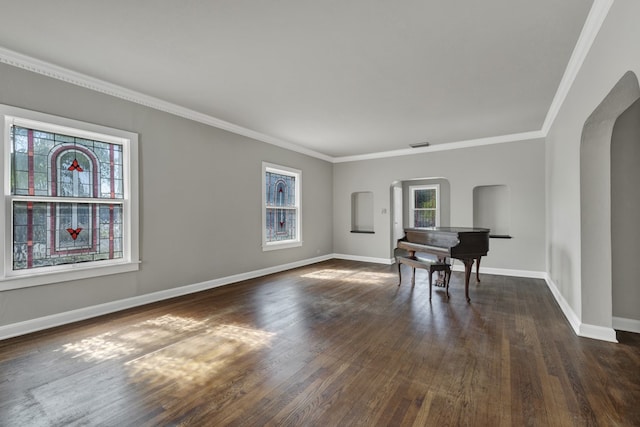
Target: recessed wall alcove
[491,209]
[599,209]
[362,212]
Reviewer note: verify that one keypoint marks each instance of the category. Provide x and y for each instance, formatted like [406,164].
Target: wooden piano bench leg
[447,278]
[399,272]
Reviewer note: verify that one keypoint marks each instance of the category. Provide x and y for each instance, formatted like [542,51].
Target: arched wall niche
[595,204]
[625,206]
[362,212]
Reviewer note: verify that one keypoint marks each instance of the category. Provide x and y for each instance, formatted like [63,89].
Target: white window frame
[412,202]
[282,170]
[16,279]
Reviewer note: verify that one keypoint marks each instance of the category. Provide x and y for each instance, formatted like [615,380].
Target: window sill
[283,245]
[363,231]
[74,273]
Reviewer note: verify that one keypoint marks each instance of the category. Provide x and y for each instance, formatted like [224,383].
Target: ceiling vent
[419,145]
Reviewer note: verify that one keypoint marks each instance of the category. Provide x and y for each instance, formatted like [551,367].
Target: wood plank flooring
[333,344]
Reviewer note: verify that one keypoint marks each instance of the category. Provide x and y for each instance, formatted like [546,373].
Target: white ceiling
[338,77]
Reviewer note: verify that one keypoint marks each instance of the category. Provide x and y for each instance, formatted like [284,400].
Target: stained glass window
[281,205]
[49,171]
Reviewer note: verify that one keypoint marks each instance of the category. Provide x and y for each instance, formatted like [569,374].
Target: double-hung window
[424,206]
[70,199]
[281,207]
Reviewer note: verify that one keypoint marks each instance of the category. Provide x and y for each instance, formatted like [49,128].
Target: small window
[281,207]
[70,200]
[424,206]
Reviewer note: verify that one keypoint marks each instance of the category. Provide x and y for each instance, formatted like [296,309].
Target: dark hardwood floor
[333,344]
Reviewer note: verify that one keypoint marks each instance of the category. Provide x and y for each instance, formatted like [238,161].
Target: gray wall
[520,165]
[200,199]
[613,53]
[625,213]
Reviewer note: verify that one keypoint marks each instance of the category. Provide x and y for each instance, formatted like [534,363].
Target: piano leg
[468,267]
[478,269]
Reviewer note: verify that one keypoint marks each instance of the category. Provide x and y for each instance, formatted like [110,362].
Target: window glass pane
[281,224]
[20,140]
[424,218]
[280,189]
[425,198]
[41,184]
[49,234]
[49,164]
[20,182]
[20,162]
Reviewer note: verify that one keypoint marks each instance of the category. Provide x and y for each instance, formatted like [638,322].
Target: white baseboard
[629,325]
[458,266]
[387,261]
[568,312]
[33,325]
[586,330]
[596,332]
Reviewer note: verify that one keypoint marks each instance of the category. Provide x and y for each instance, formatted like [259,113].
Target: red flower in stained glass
[75,166]
[74,233]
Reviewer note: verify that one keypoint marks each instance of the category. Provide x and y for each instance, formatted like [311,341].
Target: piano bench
[427,264]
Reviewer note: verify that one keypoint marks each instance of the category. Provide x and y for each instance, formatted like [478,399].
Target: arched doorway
[596,206]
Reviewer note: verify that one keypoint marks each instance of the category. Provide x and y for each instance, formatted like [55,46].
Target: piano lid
[461,240]
[455,230]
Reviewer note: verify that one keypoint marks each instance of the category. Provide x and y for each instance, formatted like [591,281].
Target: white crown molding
[592,25]
[524,136]
[28,63]
[596,17]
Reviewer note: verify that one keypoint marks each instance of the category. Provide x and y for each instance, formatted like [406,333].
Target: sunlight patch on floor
[118,344]
[170,321]
[188,351]
[365,277]
[101,347]
[199,358]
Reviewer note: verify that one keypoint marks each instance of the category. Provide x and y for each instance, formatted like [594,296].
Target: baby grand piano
[465,244]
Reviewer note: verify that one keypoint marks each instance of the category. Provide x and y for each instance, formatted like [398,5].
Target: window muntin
[281,212]
[425,206]
[70,199]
